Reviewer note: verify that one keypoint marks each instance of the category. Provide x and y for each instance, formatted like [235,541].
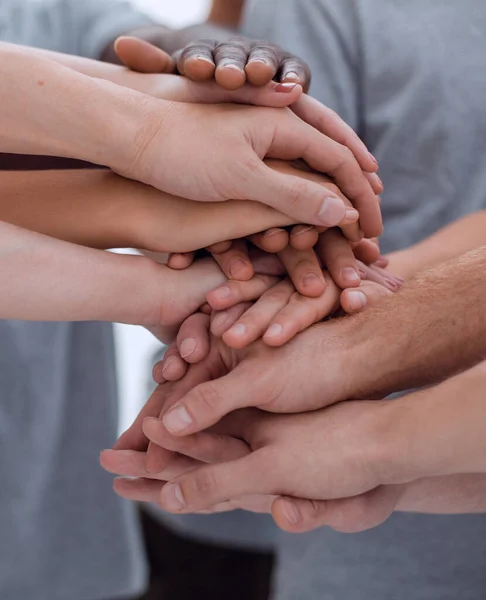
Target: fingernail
[177,419]
[285,88]
[373,158]
[167,364]
[238,329]
[357,300]
[271,232]
[230,65]
[301,231]
[224,292]
[236,266]
[172,497]
[332,212]
[291,512]
[350,274]
[274,330]
[380,181]
[187,347]
[351,216]
[310,279]
[292,75]
[204,59]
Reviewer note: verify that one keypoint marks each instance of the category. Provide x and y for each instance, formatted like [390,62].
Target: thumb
[139,55]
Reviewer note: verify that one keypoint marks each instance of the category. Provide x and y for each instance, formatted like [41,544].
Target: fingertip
[287,515]
[275,335]
[259,72]
[311,285]
[197,68]
[353,301]
[230,76]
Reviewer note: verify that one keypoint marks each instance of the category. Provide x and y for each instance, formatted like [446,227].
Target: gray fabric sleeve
[81,27]
[325,33]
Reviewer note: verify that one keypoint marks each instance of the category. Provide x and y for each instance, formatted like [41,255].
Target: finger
[231,58]
[367,294]
[171,368]
[193,338]
[395,280]
[128,463]
[256,320]
[204,447]
[139,55]
[220,247]
[253,503]
[304,270]
[367,251]
[222,320]
[212,484]
[181,261]
[196,61]
[263,63]
[272,241]
[265,263]
[234,292]
[350,515]
[134,438]
[235,262]
[338,257]
[295,70]
[380,276]
[328,122]
[303,237]
[138,490]
[300,313]
[276,95]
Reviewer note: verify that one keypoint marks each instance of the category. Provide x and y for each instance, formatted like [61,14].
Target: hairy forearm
[102,210]
[431,329]
[53,110]
[451,241]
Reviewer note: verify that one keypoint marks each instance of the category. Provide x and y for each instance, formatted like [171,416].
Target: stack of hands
[260,404]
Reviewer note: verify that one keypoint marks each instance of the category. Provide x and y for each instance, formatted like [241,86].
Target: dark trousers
[183,569]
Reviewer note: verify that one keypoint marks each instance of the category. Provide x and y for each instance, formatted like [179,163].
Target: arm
[102,210]
[50,280]
[455,239]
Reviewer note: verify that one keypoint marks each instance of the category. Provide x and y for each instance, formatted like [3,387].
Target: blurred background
[135,346]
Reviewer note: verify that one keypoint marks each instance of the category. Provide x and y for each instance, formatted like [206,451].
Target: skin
[134,148]
[432,352]
[67,282]
[211,50]
[377,456]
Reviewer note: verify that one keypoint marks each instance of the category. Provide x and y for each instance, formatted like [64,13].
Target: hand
[277,315]
[350,445]
[321,118]
[239,60]
[231,63]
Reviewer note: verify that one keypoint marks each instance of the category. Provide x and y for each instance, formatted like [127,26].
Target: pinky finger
[181,261]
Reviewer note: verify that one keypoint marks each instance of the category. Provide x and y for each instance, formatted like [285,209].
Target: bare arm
[50,280]
[451,241]
[99,209]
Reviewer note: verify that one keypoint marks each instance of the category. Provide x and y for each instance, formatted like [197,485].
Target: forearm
[52,110]
[453,494]
[48,280]
[431,329]
[102,210]
[451,241]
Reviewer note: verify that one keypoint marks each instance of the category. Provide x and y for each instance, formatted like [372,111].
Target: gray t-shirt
[410,76]
[64,534]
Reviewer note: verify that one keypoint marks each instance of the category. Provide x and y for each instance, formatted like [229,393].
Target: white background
[135,346]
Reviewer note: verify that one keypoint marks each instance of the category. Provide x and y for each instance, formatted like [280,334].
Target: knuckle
[203,484]
[207,398]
